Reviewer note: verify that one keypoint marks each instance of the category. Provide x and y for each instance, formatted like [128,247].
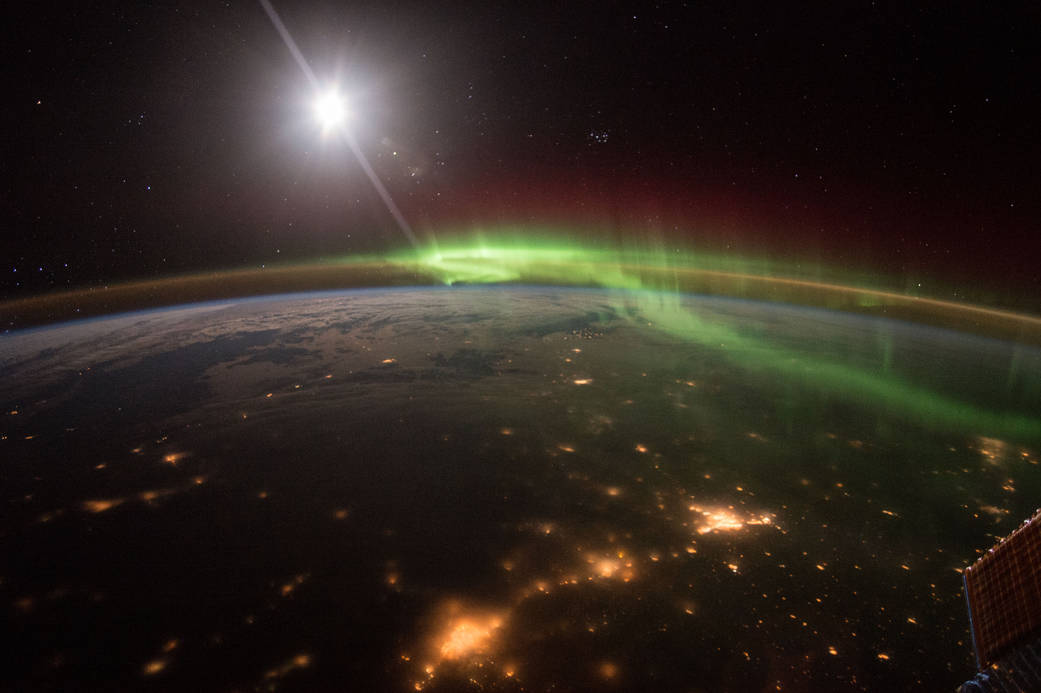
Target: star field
[151,140]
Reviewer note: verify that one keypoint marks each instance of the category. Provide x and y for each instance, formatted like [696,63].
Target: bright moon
[330,110]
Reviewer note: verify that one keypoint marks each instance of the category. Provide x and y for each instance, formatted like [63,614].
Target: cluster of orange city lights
[719,519]
[463,637]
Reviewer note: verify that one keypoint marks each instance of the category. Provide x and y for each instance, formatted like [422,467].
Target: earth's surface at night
[503,489]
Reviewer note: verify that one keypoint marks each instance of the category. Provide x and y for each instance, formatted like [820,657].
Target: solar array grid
[1004,592]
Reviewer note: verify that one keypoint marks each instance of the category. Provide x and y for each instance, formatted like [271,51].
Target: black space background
[147,139]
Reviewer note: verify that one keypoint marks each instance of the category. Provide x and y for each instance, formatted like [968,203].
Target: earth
[503,489]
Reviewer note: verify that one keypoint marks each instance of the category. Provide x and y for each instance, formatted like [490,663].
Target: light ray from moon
[332,113]
[384,194]
[290,43]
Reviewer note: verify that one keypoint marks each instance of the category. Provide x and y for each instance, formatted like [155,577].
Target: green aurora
[647,282]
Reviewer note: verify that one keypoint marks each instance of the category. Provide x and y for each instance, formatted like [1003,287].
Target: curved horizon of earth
[506,488]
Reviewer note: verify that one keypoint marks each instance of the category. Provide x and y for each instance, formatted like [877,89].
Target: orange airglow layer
[418,271]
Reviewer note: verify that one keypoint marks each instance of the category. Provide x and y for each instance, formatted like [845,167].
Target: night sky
[148,139]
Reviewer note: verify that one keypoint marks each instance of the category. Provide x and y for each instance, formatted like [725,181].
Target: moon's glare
[330,110]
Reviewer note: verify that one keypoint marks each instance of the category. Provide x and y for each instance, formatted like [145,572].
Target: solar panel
[1003,589]
[1018,671]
